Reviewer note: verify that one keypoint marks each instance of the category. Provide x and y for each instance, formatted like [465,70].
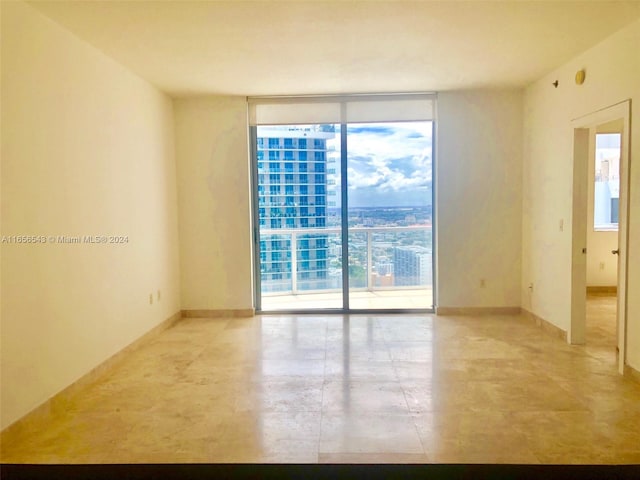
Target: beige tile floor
[383,388]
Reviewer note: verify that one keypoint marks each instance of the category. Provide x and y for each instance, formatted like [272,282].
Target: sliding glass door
[299,222]
[389,213]
[343,207]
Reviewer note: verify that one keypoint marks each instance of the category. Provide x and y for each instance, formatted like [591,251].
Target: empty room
[320,232]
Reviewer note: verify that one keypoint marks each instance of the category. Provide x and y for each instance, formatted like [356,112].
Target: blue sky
[389,164]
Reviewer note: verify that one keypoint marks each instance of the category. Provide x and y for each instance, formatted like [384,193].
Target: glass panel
[300,234]
[390,212]
[607,181]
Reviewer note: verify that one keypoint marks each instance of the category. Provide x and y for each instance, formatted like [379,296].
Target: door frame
[581,127]
[345,308]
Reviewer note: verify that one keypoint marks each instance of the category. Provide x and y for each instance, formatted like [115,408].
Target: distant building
[384,279]
[384,268]
[607,180]
[292,194]
[412,265]
[381,280]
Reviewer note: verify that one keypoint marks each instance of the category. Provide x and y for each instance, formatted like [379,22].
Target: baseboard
[477,310]
[233,313]
[545,325]
[60,400]
[632,373]
[603,290]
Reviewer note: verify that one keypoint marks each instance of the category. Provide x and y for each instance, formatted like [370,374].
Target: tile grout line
[324,380]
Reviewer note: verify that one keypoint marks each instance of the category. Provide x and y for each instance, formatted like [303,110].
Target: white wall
[479,215]
[602,266]
[613,75]
[479,163]
[214,197]
[87,149]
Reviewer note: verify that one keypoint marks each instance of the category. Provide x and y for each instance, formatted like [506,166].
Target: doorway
[343,209]
[600,226]
[602,237]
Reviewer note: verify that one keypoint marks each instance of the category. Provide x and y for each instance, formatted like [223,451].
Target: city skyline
[388,164]
[299,185]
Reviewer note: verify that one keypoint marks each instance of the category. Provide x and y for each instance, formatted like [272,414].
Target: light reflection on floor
[355,389]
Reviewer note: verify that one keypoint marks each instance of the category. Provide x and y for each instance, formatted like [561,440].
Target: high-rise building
[412,265]
[292,194]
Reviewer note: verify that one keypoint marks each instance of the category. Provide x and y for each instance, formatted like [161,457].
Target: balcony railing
[380,258]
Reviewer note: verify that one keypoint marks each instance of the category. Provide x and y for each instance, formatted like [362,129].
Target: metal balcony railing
[404,252]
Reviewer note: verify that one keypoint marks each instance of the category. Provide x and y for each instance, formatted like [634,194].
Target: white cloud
[395,156]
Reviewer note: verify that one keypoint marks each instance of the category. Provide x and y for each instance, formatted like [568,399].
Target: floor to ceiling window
[299,218]
[343,202]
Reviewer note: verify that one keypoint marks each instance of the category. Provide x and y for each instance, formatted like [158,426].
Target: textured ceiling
[305,47]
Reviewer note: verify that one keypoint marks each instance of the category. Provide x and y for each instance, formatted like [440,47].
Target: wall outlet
[151,299]
[601,265]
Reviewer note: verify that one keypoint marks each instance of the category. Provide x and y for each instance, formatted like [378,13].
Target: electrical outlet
[601,265]
[151,299]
